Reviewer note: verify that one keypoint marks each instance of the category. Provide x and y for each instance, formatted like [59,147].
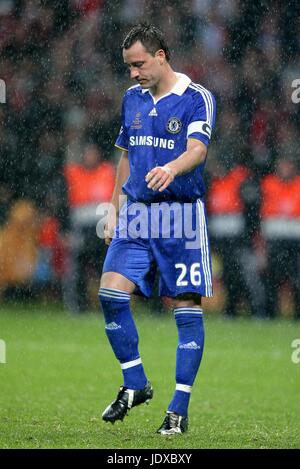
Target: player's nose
[134,73]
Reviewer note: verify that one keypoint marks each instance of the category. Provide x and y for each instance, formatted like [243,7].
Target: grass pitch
[60,375]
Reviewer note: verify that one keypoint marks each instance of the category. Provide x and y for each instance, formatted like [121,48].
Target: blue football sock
[123,337]
[189,353]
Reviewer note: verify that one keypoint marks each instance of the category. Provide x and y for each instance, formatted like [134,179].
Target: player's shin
[122,334]
[190,327]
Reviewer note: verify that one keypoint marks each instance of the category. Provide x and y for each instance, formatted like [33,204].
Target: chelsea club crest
[174,125]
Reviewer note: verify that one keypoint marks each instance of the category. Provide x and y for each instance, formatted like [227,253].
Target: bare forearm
[121,177]
[187,161]
[160,177]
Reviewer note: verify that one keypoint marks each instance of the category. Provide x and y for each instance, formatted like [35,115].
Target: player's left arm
[160,177]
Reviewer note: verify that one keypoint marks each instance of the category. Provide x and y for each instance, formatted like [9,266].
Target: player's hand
[159,178]
[109,228]
[108,234]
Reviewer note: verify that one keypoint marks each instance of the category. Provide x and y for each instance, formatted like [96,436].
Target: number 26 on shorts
[195,275]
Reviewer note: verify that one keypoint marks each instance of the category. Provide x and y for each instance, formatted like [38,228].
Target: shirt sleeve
[122,139]
[203,117]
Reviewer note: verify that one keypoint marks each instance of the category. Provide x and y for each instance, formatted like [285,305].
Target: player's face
[145,68]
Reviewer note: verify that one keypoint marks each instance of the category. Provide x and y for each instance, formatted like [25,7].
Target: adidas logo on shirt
[153,112]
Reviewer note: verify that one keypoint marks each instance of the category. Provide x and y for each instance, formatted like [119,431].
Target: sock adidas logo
[190,346]
[153,112]
[112,325]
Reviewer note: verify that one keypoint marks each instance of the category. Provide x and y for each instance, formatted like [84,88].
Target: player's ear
[160,54]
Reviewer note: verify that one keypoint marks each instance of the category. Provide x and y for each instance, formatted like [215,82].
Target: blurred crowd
[62,65]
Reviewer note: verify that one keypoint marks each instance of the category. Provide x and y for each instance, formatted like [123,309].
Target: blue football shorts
[168,237]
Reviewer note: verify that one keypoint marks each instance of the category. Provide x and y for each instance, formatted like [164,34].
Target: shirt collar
[179,87]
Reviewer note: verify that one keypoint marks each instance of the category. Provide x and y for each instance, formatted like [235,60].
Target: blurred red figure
[89,183]
[280,214]
[87,6]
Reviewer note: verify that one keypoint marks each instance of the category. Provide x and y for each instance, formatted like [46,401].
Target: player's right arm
[121,178]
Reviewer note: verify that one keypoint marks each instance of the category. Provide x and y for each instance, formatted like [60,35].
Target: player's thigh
[183,255]
[183,271]
[128,266]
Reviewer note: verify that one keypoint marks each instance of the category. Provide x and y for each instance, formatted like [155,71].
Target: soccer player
[166,128]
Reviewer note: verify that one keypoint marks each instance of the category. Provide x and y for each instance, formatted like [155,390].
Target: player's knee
[187,299]
[106,281]
[114,280]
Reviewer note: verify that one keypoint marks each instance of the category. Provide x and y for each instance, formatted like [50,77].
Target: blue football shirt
[155,132]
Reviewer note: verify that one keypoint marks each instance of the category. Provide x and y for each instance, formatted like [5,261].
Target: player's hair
[150,36]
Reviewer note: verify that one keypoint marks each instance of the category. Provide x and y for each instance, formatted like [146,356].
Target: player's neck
[165,84]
